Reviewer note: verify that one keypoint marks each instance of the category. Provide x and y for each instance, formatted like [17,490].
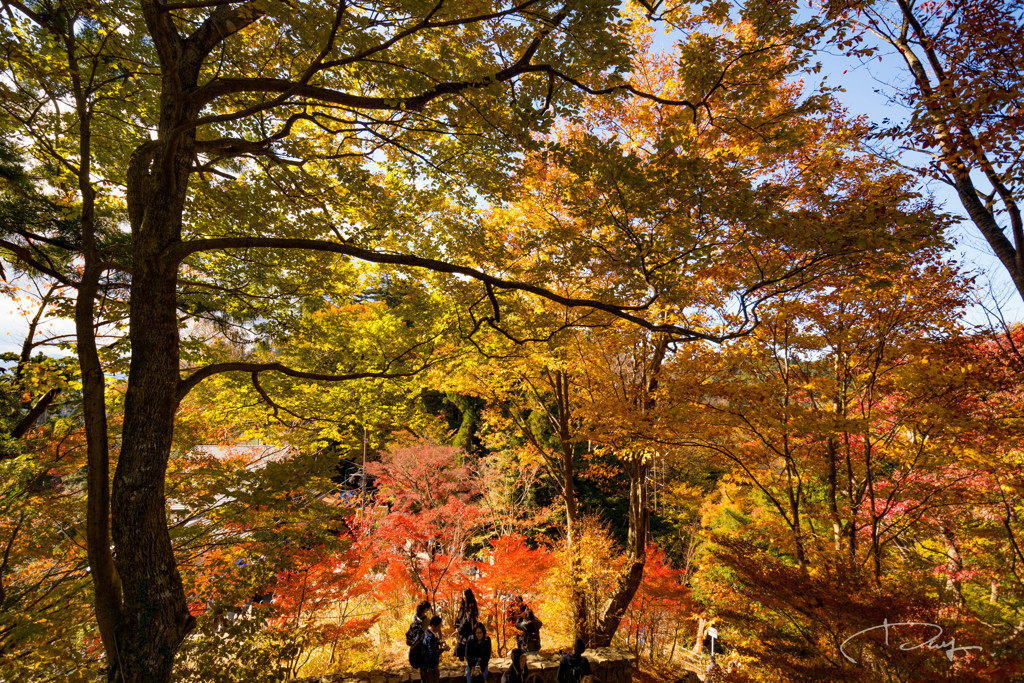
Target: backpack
[414,633]
[417,649]
[530,625]
[418,653]
[575,668]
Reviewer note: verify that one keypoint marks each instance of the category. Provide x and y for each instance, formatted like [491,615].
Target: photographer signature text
[935,642]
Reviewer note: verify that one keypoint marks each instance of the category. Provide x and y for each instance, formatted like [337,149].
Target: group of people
[473,645]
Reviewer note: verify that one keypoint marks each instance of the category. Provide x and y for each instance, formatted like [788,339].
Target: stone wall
[608,665]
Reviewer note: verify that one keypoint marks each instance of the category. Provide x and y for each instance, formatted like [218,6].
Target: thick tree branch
[165,38]
[222,23]
[182,249]
[186,385]
[26,256]
[299,87]
[38,409]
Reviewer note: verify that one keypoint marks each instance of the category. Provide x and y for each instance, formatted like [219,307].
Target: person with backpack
[418,625]
[518,671]
[478,653]
[414,636]
[433,646]
[465,623]
[528,626]
[574,666]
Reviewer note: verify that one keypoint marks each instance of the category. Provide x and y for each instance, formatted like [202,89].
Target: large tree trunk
[154,616]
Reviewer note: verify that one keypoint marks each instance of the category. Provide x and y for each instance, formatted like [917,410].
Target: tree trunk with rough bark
[580,613]
[154,616]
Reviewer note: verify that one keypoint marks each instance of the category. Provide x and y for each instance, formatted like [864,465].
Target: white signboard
[713,632]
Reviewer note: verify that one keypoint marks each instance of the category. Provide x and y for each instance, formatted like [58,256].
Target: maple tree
[511,569]
[430,519]
[614,206]
[846,393]
[533,412]
[853,435]
[44,603]
[661,606]
[799,627]
[43,566]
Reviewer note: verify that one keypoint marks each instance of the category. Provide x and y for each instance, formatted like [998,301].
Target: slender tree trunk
[955,154]
[854,502]
[1016,555]
[833,504]
[639,515]
[793,497]
[629,581]
[876,550]
[102,570]
[793,483]
[654,632]
[580,612]
[954,565]
[105,580]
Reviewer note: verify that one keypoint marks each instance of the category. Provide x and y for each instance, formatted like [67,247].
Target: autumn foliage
[331,308]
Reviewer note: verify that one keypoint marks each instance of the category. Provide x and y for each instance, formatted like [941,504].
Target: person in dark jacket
[465,623]
[418,623]
[518,671]
[512,612]
[478,653]
[574,666]
[430,671]
[528,626]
